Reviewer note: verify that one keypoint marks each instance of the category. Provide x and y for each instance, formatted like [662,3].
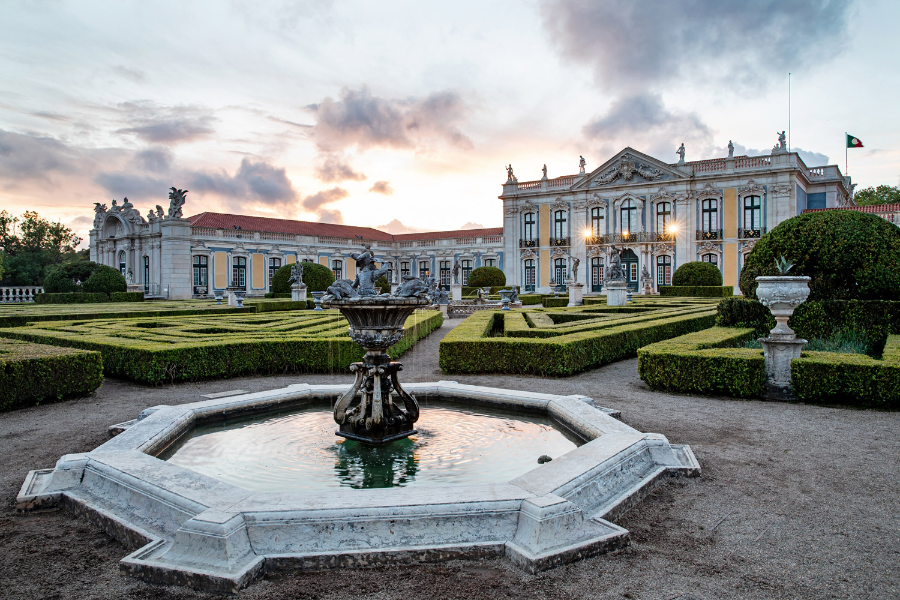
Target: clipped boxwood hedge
[697,274]
[530,299]
[697,291]
[829,377]
[127,297]
[197,347]
[71,298]
[34,373]
[705,362]
[551,302]
[487,276]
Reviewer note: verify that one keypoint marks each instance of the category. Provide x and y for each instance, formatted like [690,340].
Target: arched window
[663,217]
[560,231]
[598,226]
[664,270]
[529,275]
[596,274]
[239,271]
[337,267]
[752,216]
[529,227]
[274,265]
[560,266]
[710,216]
[712,259]
[122,265]
[628,222]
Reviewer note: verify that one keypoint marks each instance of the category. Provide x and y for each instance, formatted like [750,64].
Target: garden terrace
[35,373]
[187,348]
[565,341]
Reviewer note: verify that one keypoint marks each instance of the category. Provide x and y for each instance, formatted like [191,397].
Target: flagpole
[846,145]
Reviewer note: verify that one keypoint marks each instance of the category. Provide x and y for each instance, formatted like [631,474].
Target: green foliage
[705,363]
[105,280]
[563,341]
[551,302]
[827,377]
[34,373]
[317,277]
[71,298]
[31,244]
[201,347]
[883,194]
[740,312]
[62,278]
[383,283]
[486,277]
[697,273]
[277,295]
[702,291]
[127,297]
[530,299]
[847,254]
[281,281]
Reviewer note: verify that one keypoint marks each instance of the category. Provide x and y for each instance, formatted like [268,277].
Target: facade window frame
[597,272]
[560,228]
[201,270]
[752,212]
[627,219]
[274,265]
[446,272]
[663,270]
[465,267]
[598,226]
[337,267]
[529,227]
[663,216]
[711,258]
[710,215]
[530,272]
[560,267]
[239,271]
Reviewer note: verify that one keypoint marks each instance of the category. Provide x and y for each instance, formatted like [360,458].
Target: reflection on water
[299,451]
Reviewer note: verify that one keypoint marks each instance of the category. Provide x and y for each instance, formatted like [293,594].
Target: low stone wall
[463,308]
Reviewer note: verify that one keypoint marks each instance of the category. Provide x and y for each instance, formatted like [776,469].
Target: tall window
[752,213]
[710,215]
[239,271]
[598,227]
[628,224]
[559,270]
[466,268]
[404,269]
[559,224]
[529,275]
[122,265]
[490,262]
[596,274]
[529,227]
[710,258]
[424,269]
[663,217]
[446,272]
[274,265]
[146,274]
[337,267]
[201,272]
[663,270]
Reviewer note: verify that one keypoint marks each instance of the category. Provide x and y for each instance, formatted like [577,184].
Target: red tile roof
[869,208]
[247,223]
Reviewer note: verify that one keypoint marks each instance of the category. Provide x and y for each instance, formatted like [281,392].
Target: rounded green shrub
[105,280]
[486,277]
[847,255]
[383,283]
[316,277]
[61,278]
[280,280]
[697,274]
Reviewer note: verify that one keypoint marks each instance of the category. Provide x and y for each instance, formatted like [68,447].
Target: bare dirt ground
[795,501]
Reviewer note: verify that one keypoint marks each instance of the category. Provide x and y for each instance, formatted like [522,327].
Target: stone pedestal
[135,287]
[616,293]
[456,291]
[298,292]
[575,294]
[779,353]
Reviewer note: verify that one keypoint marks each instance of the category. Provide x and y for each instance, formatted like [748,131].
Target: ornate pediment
[528,206]
[596,200]
[659,249]
[629,166]
[708,191]
[709,247]
[595,252]
[626,169]
[529,253]
[664,196]
[559,204]
[752,188]
[559,253]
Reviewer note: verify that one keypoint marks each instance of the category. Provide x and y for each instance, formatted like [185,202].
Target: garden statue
[575,263]
[129,277]
[412,287]
[514,297]
[680,153]
[296,277]
[456,272]
[614,270]
[341,289]
[176,201]
[367,273]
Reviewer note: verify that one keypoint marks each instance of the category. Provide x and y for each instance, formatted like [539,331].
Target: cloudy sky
[405,113]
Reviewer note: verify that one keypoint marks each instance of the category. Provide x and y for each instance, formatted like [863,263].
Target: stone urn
[781,294]
[317,296]
[505,297]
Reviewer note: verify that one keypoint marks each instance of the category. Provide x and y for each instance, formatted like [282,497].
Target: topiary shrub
[280,283]
[847,254]
[61,279]
[317,277]
[486,277]
[105,280]
[697,273]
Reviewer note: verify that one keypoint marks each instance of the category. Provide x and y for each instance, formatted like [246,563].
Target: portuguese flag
[853,142]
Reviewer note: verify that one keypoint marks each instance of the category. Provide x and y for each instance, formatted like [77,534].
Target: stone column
[175,258]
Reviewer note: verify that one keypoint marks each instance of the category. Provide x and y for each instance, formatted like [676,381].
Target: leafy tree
[487,277]
[31,244]
[883,194]
[697,273]
[63,278]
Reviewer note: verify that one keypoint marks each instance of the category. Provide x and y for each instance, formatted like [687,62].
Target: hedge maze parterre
[564,341]
[186,348]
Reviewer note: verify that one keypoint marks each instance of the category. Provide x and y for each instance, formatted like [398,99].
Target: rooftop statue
[581,164]
[509,174]
[730,149]
[544,171]
[782,141]
[99,212]
[176,201]
[680,152]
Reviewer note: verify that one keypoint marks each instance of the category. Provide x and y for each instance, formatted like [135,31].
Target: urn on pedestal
[781,294]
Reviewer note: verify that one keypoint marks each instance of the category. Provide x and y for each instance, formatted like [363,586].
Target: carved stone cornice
[579,205]
[528,253]
[559,204]
[559,253]
[781,190]
[708,192]
[528,206]
[710,246]
[596,251]
[596,200]
[660,249]
[510,212]
[751,189]
[663,196]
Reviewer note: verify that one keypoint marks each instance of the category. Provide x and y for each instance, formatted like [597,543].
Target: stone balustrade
[24,293]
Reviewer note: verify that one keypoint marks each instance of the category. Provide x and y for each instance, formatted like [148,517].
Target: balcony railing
[714,234]
[595,240]
[527,243]
[751,233]
[563,241]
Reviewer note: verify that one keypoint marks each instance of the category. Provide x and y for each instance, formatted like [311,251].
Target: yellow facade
[545,225]
[351,268]
[730,268]
[258,263]
[545,268]
[729,224]
[220,270]
[323,260]
[290,259]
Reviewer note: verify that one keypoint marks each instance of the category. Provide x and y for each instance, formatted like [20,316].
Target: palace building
[658,215]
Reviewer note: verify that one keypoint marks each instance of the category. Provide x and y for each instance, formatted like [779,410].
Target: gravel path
[795,501]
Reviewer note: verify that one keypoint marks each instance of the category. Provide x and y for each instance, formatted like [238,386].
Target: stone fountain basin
[192,529]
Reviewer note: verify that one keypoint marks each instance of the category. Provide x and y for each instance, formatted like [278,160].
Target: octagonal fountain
[215,494]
